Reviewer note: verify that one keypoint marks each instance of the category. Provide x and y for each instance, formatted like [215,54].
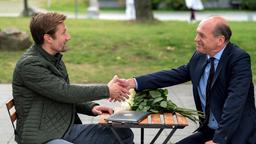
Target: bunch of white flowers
[126,105]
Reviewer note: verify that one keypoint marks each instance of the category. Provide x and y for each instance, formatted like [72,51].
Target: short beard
[65,48]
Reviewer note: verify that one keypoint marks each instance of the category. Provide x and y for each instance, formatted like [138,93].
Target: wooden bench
[12,113]
[159,121]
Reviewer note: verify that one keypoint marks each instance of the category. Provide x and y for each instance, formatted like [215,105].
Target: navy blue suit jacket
[232,98]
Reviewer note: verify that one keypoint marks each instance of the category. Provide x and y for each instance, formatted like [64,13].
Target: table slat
[181,119]
[145,121]
[155,119]
[168,118]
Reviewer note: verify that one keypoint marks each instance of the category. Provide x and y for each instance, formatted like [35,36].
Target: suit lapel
[223,60]
[200,69]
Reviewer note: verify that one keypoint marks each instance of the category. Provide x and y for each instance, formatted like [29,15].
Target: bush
[155,4]
[169,4]
[176,4]
[248,4]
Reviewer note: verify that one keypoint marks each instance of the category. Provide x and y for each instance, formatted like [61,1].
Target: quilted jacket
[46,104]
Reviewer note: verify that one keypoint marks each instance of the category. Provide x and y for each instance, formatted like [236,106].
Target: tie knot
[211,60]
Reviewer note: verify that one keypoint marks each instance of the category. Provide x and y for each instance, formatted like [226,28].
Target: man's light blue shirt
[202,88]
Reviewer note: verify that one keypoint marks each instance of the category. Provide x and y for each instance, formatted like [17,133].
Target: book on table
[127,117]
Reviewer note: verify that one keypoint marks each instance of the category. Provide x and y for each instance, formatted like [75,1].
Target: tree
[143,10]
[27,11]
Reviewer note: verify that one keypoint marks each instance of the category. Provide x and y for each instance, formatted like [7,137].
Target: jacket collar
[203,62]
[224,57]
[54,59]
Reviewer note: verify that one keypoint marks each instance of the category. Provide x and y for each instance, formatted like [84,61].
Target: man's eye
[202,36]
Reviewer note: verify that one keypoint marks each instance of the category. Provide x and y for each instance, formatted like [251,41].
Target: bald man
[222,86]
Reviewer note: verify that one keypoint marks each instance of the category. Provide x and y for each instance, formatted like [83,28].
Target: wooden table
[159,121]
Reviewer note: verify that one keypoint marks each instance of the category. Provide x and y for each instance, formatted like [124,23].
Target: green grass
[69,6]
[100,49]
[65,5]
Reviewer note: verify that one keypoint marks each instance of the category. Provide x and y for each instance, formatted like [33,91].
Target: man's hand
[118,89]
[210,142]
[98,110]
[131,83]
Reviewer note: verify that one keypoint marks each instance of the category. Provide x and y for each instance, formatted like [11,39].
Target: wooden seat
[12,113]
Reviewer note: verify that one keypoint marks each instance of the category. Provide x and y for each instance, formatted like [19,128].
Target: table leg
[170,135]
[157,135]
[117,136]
[142,135]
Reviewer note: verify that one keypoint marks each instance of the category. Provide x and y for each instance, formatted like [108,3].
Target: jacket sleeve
[238,89]
[40,79]
[86,108]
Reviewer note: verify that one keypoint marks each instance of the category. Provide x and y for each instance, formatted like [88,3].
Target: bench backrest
[12,113]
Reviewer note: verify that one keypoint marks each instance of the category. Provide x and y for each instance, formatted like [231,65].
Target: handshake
[119,88]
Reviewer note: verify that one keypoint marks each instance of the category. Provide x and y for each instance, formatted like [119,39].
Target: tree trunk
[26,10]
[143,10]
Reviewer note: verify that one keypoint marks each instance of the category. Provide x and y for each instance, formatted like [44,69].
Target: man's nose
[68,36]
[196,38]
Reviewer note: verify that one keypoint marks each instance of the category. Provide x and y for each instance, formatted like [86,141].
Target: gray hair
[222,29]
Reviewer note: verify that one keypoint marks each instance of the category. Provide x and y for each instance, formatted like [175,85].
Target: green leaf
[146,108]
[166,92]
[139,98]
[155,94]
[144,103]
[154,111]
[163,104]
[157,100]
[141,107]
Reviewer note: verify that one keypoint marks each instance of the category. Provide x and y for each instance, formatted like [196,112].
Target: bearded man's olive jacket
[46,104]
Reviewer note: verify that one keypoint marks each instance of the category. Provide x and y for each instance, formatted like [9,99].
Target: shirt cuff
[136,83]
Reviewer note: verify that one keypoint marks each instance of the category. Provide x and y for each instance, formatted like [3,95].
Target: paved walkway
[180,16]
[163,16]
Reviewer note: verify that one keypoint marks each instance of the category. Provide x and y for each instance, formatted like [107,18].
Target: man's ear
[47,38]
[221,40]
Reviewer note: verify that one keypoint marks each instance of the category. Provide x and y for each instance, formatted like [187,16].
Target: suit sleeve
[238,89]
[163,78]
